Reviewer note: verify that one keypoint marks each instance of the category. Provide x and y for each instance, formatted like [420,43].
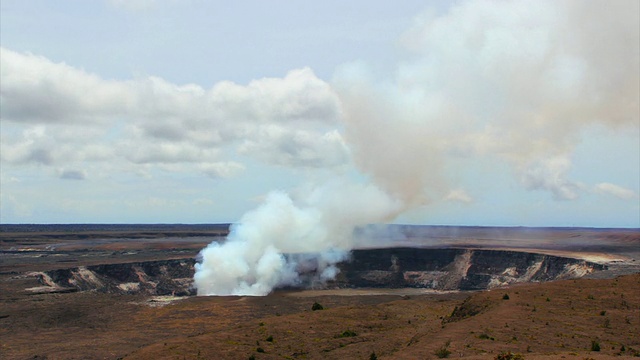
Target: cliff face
[163,277]
[441,269]
[455,269]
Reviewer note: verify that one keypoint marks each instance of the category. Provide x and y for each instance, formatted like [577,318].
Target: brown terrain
[596,316]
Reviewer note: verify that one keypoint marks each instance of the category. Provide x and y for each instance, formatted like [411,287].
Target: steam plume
[315,231]
[517,81]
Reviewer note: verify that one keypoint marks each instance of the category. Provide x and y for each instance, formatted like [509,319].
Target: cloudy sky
[521,113]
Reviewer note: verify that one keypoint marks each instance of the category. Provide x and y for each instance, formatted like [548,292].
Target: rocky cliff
[440,269]
[455,269]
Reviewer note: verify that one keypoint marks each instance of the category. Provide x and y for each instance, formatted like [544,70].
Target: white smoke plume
[315,230]
[518,81]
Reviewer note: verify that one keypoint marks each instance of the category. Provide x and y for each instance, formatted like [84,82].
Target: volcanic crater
[51,279]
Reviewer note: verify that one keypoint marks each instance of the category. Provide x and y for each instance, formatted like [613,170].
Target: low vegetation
[347,333]
[508,355]
[443,352]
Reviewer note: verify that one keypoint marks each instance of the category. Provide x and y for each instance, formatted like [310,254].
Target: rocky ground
[560,319]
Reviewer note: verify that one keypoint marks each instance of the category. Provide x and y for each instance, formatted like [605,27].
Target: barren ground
[541,321]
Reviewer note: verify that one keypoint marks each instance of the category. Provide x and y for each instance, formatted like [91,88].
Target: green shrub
[260,350]
[373,356]
[595,346]
[269,339]
[316,306]
[505,297]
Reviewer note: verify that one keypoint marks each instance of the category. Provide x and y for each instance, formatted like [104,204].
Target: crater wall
[439,269]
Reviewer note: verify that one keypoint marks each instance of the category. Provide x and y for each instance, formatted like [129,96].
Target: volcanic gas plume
[513,81]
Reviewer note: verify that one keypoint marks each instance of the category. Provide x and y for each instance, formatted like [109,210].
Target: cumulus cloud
[54,114]
[297,148]
[615,190]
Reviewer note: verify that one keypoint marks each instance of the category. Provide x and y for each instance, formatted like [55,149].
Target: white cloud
[296,148]
[55,114]
[615,190]
[550,174]
[221,169]
[459,195]
[37,90]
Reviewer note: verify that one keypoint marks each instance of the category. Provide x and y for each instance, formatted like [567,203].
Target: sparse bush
[347,333]
[260,350]
[443,352]
[252,357]
[269,339]
[485,336]
[505,297]
[508,355]
[373,356]
[595,346]
[603,313]
[633,352]
[316,306]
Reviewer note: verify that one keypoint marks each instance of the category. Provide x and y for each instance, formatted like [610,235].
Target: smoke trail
[516,80]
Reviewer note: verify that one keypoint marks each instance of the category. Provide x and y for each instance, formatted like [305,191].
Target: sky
[489,113]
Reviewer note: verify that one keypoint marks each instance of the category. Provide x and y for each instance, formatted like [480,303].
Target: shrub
[443,352]
[508,355]
[373,356]
[485,336]
[260,350]
[505,297]
[595,346]
[347,333]
[316,306]
[252,357]
[269,339]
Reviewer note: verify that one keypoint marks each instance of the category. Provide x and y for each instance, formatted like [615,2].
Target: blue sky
[461,113]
